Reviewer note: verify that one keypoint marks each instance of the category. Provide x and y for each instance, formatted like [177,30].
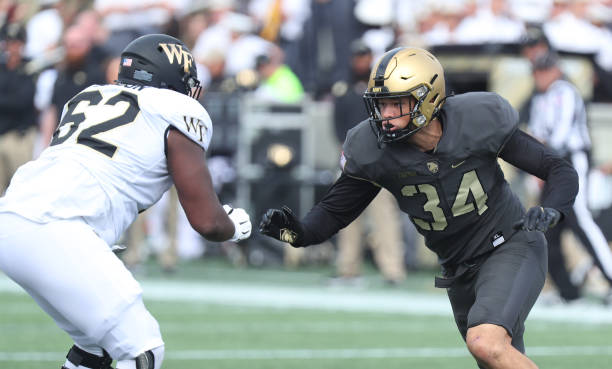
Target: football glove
[282,225]
[242,223]
[538,218]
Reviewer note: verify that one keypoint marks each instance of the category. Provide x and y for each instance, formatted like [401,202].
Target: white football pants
[75,277]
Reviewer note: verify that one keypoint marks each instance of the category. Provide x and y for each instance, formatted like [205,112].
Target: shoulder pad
[478,122]
[360,151]
[178,110]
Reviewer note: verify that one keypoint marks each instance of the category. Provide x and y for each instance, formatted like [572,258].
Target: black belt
[453,273]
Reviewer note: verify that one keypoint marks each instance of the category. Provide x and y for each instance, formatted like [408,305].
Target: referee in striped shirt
[558,118]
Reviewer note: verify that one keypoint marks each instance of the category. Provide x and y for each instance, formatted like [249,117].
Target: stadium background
[260,304]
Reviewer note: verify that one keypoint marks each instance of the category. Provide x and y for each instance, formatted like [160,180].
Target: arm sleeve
[342,204]
[526,153]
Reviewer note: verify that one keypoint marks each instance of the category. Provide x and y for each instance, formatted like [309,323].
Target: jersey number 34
[461,205]
[71,121]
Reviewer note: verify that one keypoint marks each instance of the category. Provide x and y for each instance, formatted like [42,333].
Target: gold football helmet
[405,72]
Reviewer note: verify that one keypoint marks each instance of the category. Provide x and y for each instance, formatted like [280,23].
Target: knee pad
[150,359]
[77,356]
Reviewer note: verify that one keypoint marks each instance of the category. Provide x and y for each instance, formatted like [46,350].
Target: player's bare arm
[187,166]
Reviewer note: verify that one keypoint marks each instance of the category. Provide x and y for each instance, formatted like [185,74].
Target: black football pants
[505,287]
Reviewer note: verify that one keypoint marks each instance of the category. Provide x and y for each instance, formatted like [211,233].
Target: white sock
[69,365]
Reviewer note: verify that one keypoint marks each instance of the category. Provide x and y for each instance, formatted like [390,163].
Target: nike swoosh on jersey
[456,165]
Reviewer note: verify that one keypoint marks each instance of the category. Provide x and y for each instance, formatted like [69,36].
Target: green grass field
[215,316]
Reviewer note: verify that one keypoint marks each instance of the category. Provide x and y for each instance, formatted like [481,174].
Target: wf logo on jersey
[195,125]
[182,56]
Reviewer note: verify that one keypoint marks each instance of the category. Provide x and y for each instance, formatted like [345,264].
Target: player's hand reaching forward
[538,218]
[242,223]
[282,225]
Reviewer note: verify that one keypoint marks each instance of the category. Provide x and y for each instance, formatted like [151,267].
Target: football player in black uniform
[438,156]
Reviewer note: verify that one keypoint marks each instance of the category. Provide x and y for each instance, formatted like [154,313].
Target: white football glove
[242,223]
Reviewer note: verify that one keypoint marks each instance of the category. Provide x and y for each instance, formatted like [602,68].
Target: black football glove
[282,225]
[538,218]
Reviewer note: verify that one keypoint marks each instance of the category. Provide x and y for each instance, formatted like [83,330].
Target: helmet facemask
[194,88]
[417,119]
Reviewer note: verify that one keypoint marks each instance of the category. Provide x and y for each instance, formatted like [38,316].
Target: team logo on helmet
[176,51]
[287,235]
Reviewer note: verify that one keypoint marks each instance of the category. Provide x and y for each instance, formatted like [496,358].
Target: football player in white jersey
[116,150]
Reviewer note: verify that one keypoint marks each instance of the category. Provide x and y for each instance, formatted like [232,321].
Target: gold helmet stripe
[379,78]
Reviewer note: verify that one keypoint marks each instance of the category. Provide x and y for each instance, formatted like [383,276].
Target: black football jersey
[456,195]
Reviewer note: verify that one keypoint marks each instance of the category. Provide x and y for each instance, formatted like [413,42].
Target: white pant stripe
[585,218]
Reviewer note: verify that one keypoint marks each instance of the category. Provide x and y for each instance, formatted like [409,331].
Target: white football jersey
[107,160]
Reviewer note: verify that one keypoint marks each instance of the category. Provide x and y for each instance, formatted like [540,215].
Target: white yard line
[334,299]
[362,353]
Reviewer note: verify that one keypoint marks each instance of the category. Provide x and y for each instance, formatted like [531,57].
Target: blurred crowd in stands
[281,51]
